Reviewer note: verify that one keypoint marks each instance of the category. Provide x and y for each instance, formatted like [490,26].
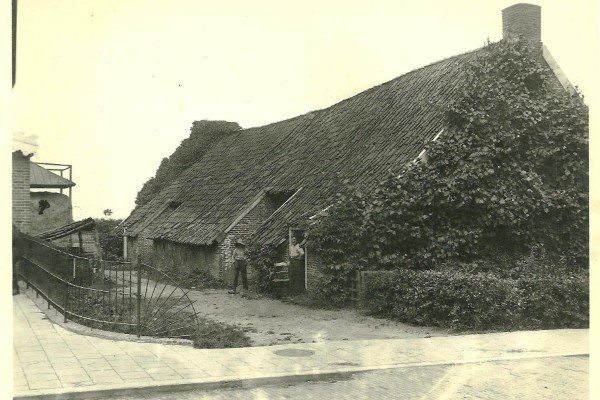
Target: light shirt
[239,253]
[296,251]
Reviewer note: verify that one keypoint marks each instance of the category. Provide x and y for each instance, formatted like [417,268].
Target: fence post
[139,298]
[66,300]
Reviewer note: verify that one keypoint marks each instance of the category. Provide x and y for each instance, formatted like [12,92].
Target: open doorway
[297,253]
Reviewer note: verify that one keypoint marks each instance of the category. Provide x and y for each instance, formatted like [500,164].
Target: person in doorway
[296,270]
[296,251]
[239,261]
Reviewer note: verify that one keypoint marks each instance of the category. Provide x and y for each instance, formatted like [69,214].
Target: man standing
[239,261]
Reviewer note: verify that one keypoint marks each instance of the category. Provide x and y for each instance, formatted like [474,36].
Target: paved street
[541,378]
[50,360]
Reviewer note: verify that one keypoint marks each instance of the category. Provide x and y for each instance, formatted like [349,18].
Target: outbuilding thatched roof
[69,229]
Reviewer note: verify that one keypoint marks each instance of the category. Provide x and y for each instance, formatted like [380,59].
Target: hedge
[459,300]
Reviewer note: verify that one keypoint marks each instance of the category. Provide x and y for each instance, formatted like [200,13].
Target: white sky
[113,86]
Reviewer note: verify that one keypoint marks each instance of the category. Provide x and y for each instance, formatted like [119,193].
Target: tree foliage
[509,173]
[111,241]
[203,135]
[262,261]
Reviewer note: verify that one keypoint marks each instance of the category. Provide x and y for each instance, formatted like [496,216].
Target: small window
[275,199]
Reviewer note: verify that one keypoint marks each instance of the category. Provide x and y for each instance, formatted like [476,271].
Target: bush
[508,173]
[459,300]
[539,264]
[217,335]
[111,242]
[333,287]
[262,260]
[194,278]
[555,302]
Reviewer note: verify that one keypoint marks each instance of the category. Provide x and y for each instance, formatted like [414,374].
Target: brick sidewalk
[49,360]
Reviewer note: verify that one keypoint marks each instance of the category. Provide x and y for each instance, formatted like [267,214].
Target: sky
[113,86]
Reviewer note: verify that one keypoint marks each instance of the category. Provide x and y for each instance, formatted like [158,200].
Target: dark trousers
[296,275]
[240,268]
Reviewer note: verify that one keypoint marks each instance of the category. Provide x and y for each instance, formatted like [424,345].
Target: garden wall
[176,257]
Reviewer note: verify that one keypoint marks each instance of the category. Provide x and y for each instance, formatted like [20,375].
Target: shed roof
[41,178]
[66,230]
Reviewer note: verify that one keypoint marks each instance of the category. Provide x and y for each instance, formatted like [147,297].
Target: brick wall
[131,249]
[522,20]
[21,212]
[216,259]
[244,229]
[140,248]
[179,257]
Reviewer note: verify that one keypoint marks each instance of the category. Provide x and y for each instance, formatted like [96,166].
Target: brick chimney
[523,20]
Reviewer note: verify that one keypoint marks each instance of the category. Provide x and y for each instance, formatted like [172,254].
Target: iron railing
[119,296]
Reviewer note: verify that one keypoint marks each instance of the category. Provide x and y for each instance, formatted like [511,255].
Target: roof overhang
[87,224]
[557,71]
[41,178]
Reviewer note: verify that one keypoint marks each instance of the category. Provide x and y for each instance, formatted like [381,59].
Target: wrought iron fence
[119,296]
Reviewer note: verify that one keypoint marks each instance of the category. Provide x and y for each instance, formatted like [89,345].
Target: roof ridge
[243,130]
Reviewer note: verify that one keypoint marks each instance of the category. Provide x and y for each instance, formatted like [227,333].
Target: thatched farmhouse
[261,184]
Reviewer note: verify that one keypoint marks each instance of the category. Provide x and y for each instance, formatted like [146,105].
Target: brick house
[42,199]
[39,203]
[262,184]
[21,200]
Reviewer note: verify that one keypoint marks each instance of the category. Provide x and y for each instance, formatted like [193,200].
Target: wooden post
[71,187]
[97,246]
[80,237]
[124,244]
[66,304]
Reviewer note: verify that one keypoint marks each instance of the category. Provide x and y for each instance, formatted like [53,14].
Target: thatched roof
[359,139]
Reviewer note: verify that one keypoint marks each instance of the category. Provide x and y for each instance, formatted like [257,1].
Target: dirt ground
[268,322]
[274,322]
